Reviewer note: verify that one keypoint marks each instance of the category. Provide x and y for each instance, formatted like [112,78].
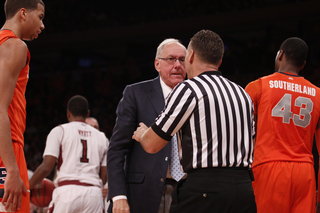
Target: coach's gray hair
[165,43]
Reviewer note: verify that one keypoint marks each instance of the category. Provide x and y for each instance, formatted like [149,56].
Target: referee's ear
[191,57]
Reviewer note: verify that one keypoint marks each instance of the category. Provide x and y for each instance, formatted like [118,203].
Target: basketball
[41,194]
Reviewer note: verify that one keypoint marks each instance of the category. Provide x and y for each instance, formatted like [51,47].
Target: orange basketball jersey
[287,107]
[17,108]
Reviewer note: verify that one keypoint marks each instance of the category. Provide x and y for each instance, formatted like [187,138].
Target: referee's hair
[78,106]
[208,46]
[295,50]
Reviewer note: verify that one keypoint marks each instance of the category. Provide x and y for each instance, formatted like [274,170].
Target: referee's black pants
[214,190]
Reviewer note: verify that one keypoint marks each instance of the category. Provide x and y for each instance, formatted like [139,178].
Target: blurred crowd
[97,14]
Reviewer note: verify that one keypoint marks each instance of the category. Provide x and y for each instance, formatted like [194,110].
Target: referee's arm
[149,139]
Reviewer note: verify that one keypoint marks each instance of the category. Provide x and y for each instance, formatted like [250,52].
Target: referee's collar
[211,73]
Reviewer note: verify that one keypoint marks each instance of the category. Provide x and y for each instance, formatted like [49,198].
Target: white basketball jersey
[80,150]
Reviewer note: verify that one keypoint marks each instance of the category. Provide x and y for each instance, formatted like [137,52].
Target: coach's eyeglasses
[173,60]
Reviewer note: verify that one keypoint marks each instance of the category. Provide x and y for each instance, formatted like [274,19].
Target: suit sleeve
[120,143]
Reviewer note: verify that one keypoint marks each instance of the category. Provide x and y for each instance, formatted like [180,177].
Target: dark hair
[295,50]
[11,7]
[208,46]
[78,106]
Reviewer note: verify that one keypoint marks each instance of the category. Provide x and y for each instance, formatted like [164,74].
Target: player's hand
[104,192]
[139,132]
[121,206]
[14,187]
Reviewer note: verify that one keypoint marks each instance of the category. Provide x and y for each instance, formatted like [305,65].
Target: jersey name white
[85,133]
[80,150]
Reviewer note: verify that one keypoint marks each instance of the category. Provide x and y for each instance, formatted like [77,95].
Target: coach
[214,121]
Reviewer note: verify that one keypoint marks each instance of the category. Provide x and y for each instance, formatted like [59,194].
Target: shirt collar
[289,73]
[212,73]
[165,89]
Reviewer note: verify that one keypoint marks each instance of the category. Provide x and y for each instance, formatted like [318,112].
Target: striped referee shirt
[214,121]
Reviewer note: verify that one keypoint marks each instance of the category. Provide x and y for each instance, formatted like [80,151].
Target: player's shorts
[76,199]
[21,161]
[285,187]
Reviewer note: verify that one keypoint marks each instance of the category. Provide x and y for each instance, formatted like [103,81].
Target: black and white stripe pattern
[214,120]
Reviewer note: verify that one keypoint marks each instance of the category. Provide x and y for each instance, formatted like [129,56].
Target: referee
[214,121]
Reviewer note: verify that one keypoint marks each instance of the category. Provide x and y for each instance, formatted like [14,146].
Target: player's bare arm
[103,174]
[13,55]
[43,170]
[149,140]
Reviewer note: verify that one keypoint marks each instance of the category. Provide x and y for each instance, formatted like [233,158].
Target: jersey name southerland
[278,84]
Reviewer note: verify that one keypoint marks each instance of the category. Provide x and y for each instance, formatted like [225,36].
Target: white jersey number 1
[84,158]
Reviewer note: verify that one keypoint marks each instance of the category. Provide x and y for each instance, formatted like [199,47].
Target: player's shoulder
[306,81]
[72,125]
[99,135]
[253,84]
[13,48]
[259,81]
[66,125]
[266,77]
[102,135]
[60,126]
[14,43]
[57,130]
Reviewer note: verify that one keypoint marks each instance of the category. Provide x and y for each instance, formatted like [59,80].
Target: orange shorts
[285,187]
[21,161]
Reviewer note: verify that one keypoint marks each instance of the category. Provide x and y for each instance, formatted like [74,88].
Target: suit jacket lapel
[155,95]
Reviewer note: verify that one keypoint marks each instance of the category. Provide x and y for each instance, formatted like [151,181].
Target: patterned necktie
[175,168]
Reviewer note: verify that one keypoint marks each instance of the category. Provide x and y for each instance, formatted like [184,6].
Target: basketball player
[80,151]
[287,112]
[23,22]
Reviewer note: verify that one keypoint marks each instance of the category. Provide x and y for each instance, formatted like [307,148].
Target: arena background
[95,48]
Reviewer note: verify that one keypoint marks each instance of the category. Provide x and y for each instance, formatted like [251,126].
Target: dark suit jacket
[132,171]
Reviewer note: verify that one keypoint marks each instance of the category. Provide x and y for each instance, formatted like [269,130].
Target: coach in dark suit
[136,179]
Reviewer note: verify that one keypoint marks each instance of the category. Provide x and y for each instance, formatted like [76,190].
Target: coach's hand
[13,189]
[121,206]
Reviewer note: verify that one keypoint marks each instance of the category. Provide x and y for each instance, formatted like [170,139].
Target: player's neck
[76,118]
[289,69]
[10,25]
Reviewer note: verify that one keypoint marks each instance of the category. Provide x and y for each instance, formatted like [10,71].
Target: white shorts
[76,199]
